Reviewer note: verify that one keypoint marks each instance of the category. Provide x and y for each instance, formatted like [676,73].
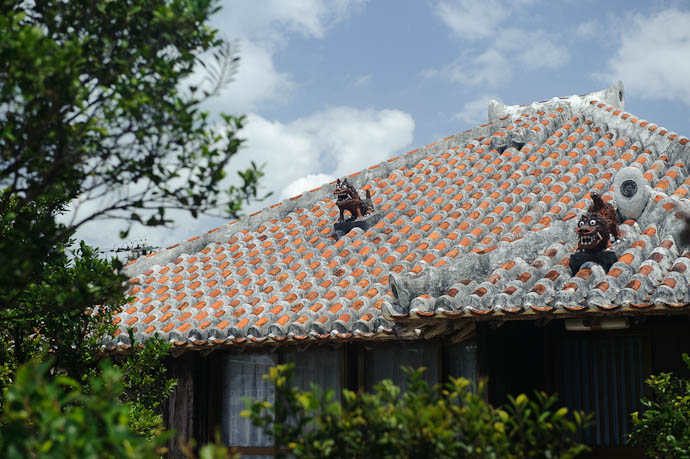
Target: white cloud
[499,47]
[287,153]
[350,139]
[333,142]
[104,234]
[533,49]
[269,20]
[306,183]
[363,79]
[587,29]
[542,53]
[475,111]
[652,59]
[470,19]
[262,29]
[256,81]
[491,68]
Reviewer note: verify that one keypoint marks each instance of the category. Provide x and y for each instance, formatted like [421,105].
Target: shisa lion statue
[594,230]
[348,199]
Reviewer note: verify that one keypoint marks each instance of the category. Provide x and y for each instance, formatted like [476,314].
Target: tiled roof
[476,225]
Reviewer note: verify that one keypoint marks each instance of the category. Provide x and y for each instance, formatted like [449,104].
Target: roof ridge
[613,96]
[307,199]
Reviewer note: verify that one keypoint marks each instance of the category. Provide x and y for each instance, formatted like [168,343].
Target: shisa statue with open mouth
[594,230]
[349,200]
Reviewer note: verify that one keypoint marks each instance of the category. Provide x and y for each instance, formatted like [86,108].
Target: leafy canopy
[98,118]
[96,112]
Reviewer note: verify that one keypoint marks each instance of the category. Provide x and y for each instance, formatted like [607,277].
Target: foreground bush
[442,421]
[663,429]
[53,417]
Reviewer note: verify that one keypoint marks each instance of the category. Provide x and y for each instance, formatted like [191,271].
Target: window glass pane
[242,377]
[384,361]
[321,365]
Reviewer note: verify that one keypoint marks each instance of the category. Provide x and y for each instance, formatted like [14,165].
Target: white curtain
[242,377]
[322,366]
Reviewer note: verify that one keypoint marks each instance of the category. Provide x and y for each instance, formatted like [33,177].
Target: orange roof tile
[281,272]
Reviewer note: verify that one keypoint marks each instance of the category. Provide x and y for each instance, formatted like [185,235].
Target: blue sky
[332,87]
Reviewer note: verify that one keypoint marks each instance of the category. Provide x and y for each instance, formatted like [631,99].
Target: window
[322,366]
[243,377]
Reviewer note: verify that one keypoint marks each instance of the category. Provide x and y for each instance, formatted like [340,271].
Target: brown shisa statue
[594,230]
[348,199]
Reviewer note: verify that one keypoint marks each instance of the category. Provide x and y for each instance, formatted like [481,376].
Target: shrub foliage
[663,429]
[451,420]
[54,417]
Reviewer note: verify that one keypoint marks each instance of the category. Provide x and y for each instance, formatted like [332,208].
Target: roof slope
[478,223]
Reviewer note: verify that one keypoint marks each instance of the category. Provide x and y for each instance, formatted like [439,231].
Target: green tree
[663,428]
[57,321]
[54,417]
[94,107]
[146,384]
[451,420]
[98,117]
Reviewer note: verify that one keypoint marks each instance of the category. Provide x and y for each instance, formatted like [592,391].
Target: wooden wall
[178,413]
[516,357]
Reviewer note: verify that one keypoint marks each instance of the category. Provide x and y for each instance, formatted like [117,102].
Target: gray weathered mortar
[437,281]
[308,199]
[529,110]
[614,96]
[662,144]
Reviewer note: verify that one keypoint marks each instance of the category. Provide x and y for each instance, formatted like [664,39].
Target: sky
[330,87]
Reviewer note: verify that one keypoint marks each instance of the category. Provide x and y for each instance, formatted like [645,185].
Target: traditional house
[463,267]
